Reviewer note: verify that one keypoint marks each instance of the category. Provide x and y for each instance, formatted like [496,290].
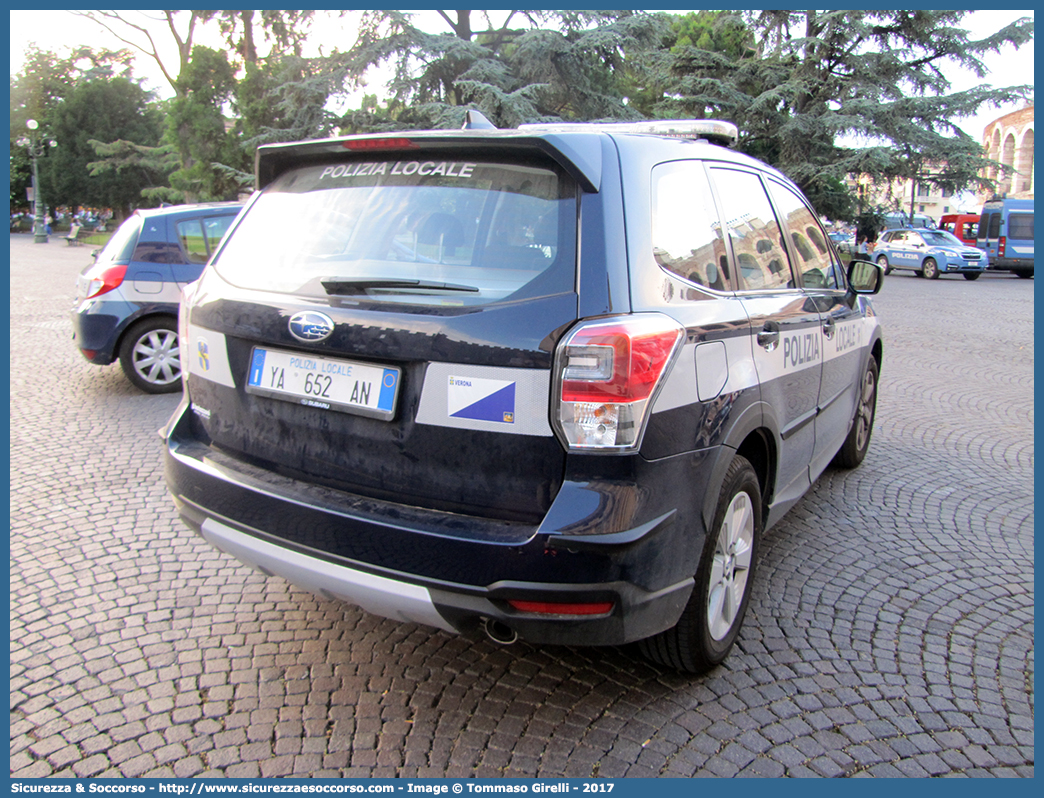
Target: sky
[58,30]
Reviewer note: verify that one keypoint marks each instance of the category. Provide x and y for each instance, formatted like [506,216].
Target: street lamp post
[36,151]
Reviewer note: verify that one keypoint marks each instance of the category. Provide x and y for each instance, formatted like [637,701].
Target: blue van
[1006,235]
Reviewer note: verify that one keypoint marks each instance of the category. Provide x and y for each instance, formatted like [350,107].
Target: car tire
[930,269]
[149,355]
[1025,274]
[710,622]
[882,261]
[972,275]
[853,450]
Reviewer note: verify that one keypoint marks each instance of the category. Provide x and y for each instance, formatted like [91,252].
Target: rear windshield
[1020,225]
[119,248]
[453,232]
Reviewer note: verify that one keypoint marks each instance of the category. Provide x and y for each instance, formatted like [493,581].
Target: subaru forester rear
[456,378]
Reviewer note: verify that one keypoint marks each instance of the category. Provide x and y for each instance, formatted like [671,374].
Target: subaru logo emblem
[309,325]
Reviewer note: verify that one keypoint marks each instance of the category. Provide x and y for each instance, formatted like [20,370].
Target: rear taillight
[1000,246]
[184,344]
[606,373]
[101,280]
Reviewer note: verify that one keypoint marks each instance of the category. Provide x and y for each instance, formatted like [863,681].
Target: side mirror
[865,277]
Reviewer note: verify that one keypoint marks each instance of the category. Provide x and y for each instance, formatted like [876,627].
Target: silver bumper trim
[388,598]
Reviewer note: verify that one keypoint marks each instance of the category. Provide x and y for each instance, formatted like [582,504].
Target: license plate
[325,383]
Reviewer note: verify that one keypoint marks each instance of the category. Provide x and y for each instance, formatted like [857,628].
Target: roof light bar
[715,131]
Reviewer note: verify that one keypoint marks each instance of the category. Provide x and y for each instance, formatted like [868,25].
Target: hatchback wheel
[972,275]
[149,355]
[711,621]
[930,269]
[882,261]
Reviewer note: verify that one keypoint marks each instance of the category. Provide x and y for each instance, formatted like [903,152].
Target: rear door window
[452,232]
[757,240]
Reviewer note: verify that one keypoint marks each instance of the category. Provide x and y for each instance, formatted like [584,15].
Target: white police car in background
[550,383]
[930,253]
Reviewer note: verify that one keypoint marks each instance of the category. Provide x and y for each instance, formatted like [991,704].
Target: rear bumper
[449,571]
[99,323]
[1011,264]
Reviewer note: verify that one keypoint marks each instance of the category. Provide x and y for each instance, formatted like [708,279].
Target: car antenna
[475,120]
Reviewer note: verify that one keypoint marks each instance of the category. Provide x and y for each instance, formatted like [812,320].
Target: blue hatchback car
[127,300]
[929,253]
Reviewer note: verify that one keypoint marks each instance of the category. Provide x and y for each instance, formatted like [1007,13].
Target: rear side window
[1020,225]
[757,241]
[687,238]
[200,237]
[192,240]
[429,232]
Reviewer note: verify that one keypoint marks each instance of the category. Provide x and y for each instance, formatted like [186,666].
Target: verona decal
[481,399]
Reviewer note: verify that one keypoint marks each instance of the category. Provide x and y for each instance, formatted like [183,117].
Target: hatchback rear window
[120,247]
[453,232]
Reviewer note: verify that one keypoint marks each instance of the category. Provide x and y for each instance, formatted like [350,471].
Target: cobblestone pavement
[890,631]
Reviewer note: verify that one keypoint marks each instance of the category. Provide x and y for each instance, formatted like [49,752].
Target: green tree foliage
[280,96]
[39,91]
[818,80]
[150,166]
[285,30]
[559,65]
[652,83]
[98,108]
[284,98]
[196,128]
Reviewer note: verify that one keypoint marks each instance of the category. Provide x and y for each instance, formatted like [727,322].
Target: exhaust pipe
[499,632]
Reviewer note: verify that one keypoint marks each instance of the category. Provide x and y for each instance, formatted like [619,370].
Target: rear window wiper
[342,287]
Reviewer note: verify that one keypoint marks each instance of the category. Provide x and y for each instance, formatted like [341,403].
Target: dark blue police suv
[549,383]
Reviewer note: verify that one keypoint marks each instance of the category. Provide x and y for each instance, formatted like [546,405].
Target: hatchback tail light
[606,372]
[102,279]
[1000,246]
